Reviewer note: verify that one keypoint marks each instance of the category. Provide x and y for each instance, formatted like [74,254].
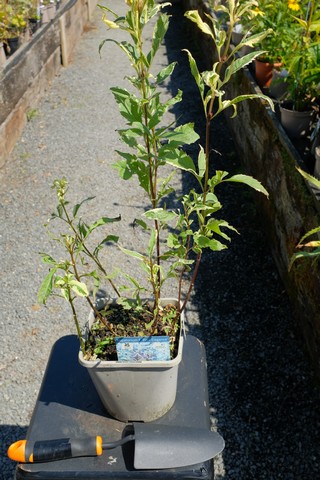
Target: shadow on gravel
[262,394]
[8,435]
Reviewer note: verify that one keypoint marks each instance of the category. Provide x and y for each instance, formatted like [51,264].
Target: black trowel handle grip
[25,451]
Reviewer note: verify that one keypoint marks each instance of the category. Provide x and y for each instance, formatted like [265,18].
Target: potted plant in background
[174,237]
[3,33]
[48,10]
[14,21]
[276,17]
[34,16]
[301,101]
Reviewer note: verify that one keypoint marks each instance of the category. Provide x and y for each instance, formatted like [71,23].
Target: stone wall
[292,208]
[27,73]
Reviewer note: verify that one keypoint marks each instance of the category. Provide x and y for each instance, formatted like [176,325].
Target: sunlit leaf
[46,286]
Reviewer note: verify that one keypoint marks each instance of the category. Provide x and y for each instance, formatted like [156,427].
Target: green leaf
[309,234]
[250,181]
[201,162]
[79,288]
[129,105]
[179,159]
[160,214]
[240,63]
[126,47]
[65,294]
[78,205]
[313,255]
[102,244]
[141,224]
[134,282]
[165,73]
[215,226]
[201,241]
[159,32]
[152,243]
[232,103]
[103,221]
[195,73]
[252,40]
[132,166]
[184,134]
[46,286]
[132,253]
[47,259]
[314,181]
[173,241]
[194,16]
[130,136]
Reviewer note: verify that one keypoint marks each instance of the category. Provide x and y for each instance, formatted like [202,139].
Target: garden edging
[27,73]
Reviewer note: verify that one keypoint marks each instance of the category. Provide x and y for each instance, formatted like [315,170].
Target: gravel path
[263,400]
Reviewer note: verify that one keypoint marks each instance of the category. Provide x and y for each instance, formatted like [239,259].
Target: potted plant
[276,18]
[34,16]
[175,237]
[3,33]
[303,80]
[48,10]
[14,23]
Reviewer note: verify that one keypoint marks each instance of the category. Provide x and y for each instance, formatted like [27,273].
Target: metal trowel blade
[167,446]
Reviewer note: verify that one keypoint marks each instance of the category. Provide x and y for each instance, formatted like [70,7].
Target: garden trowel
[155,446]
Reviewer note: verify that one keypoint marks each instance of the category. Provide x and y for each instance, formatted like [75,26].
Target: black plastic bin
[68,406]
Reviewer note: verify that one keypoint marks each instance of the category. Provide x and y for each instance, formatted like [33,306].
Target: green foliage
[275,16]
[303,61]
[32,113]
[177,236]
[65,279]
[309,244]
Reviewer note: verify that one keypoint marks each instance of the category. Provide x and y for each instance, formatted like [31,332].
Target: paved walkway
[262,398]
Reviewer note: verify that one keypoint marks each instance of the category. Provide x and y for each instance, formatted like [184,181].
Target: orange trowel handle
[25,451]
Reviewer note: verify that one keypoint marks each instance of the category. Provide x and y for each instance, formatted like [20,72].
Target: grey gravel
[263,398]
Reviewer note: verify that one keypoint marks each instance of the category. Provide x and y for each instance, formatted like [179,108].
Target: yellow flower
[256,12]
[293,5]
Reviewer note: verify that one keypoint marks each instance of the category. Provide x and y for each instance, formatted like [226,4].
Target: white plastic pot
[141,391]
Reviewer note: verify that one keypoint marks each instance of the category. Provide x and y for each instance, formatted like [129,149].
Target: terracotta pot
[263,72]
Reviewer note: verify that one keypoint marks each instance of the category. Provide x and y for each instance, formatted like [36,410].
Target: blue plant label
[141,349]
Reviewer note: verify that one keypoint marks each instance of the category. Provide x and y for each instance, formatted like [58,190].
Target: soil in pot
[136,390]
[130,323]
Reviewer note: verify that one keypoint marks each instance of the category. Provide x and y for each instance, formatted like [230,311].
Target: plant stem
[87,251]
[193,279]
[75,318]
[93,307]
